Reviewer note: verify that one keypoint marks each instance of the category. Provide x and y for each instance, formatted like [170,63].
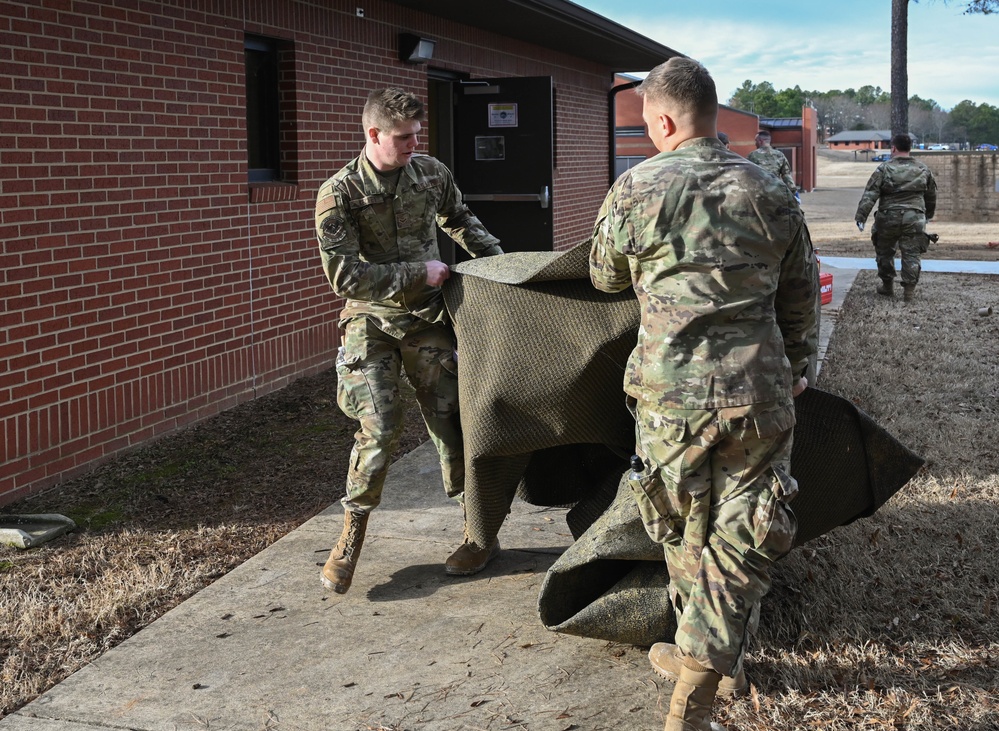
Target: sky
[823,46]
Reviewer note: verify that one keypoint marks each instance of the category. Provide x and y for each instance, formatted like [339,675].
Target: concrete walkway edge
[266,647]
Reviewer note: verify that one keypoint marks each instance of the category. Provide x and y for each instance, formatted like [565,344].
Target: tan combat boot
[690,705]
[665,659]
[908,292]
[470,558]
[886,288]
[339,569]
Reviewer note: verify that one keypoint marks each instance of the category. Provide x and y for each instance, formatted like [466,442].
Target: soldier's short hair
[902,142]
[682,82]
[764,134]
[386,107]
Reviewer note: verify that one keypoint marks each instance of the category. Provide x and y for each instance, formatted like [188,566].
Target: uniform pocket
[353,392]
[774,524]
[653,505]
[447,386]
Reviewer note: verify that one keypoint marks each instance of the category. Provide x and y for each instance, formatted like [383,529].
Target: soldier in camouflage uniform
[773,160]
[908,197]
[721,262]
[377,222]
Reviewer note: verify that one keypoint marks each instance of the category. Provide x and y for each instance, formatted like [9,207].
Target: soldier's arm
[930,197]
[869,197]
[786,175]
[609,269]
[796,299]
[339,246]
[458,222]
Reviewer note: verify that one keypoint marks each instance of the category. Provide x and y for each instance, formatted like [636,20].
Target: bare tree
[878,115]
[920,121]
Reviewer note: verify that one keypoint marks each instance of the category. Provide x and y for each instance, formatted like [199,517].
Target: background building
[863,139]
[796,138]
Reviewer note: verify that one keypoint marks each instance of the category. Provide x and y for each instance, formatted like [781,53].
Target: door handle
[544,197]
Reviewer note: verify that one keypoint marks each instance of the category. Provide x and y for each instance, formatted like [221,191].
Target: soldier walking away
[721,262]
[906,193]
[773,160]
[377,220]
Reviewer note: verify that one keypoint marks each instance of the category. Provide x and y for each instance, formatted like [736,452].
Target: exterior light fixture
[414,49]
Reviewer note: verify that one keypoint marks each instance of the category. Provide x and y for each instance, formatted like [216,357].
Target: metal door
[503,152]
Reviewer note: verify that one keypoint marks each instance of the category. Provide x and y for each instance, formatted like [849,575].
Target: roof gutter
[612,115]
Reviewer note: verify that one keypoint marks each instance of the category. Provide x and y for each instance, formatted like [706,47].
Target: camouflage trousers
[369,371]
[714,492]
[902,230]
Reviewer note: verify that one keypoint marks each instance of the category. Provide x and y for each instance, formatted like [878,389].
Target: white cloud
[951,56]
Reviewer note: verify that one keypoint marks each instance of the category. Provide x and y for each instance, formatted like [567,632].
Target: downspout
[612,109]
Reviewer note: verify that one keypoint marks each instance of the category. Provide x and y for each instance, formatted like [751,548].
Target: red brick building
[863,139]
[158,169]
[796,138]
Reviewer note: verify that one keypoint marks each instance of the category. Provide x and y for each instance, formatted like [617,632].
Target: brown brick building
[796,138]
[158,168]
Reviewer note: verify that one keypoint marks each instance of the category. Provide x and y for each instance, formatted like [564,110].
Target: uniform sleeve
[930,196]
[796,302]
[870,196]
[785,174]
[458,222]
[339,245]
[609,267]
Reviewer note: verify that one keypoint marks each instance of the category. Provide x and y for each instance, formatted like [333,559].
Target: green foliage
[926,104]
[867,95]
[867,108]
[979,122]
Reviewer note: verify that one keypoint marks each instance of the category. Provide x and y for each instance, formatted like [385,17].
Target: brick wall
[967,185]
[145,285]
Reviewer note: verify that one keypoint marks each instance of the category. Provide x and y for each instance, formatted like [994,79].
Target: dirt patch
[830,208]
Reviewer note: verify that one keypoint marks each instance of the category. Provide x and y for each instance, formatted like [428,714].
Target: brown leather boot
[339,569]
[908,292]
[690,705]
[886,288]
[665,659]
[470,558]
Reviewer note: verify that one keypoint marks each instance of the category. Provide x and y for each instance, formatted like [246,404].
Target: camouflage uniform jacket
[774,160]
[723,267]
[900,183]
[375,241]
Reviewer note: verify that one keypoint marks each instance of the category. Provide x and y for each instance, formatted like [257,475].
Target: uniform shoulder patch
[325,203]
[333,229]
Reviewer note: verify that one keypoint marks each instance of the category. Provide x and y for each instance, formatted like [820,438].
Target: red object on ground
[993,244]
[825,287]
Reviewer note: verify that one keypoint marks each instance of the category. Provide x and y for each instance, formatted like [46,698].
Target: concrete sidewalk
[266,647]
[842,282]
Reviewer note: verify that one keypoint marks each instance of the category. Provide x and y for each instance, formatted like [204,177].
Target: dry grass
[165,521]
[892,622]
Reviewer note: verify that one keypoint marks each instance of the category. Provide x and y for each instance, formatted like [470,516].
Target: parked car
[987,146]
[882,157]
[937,147]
